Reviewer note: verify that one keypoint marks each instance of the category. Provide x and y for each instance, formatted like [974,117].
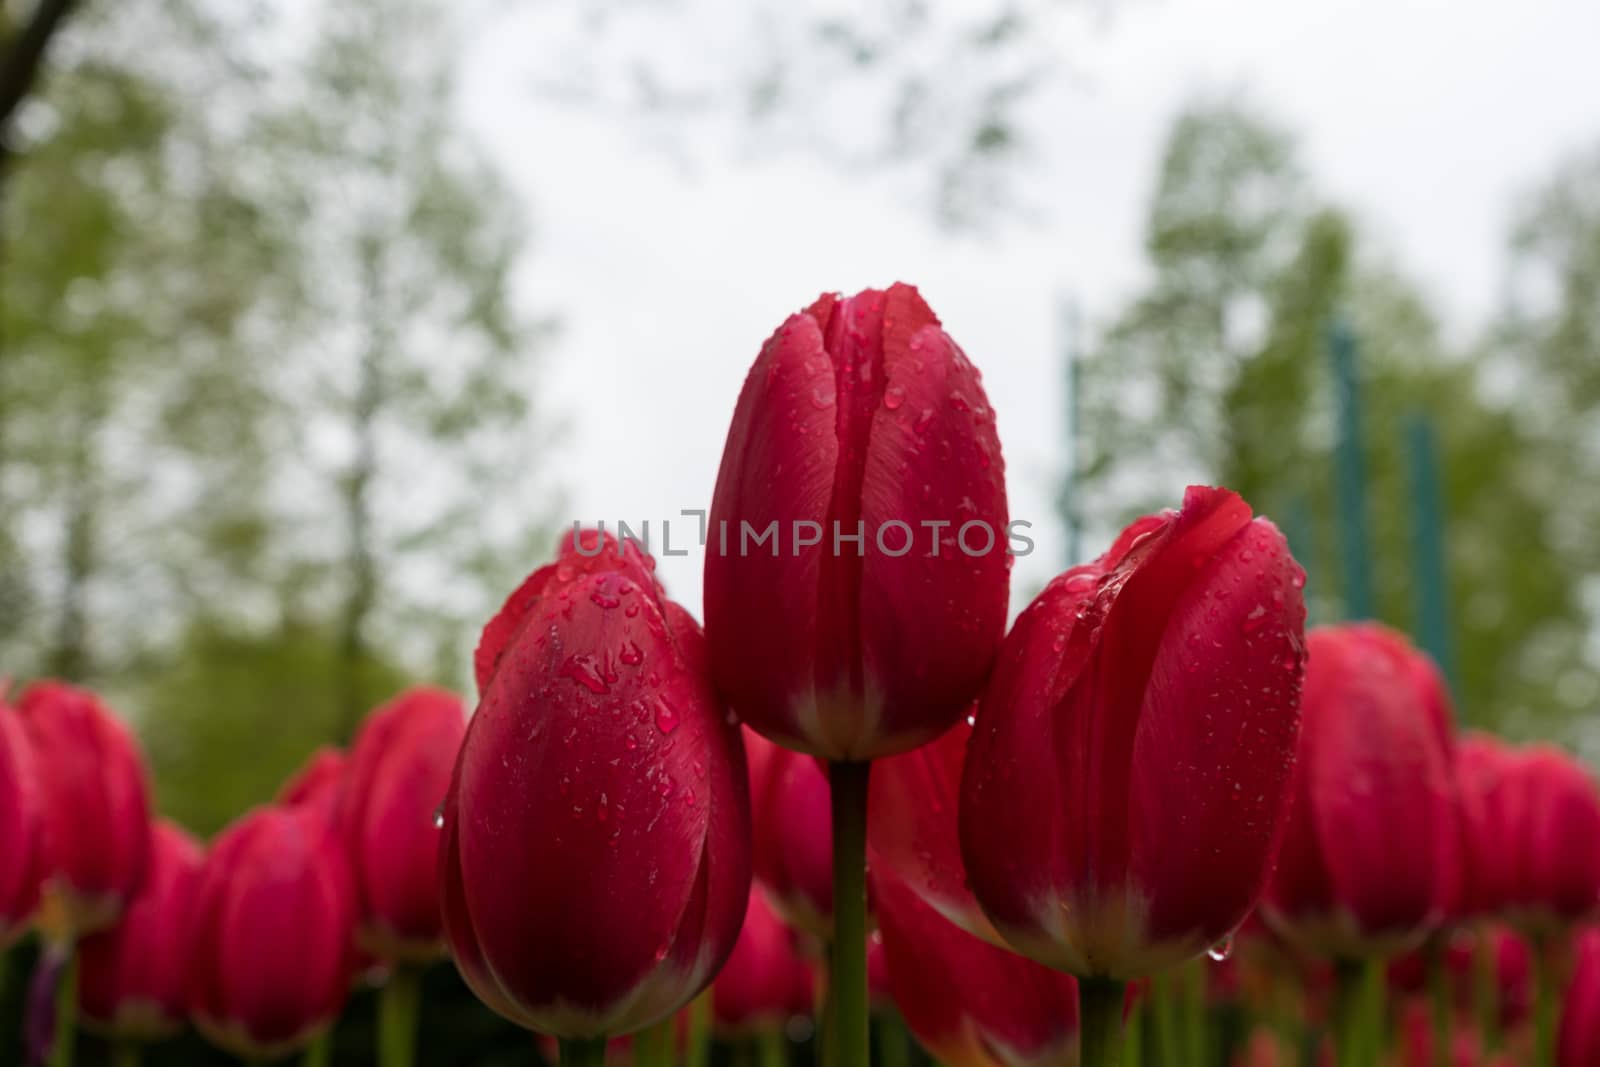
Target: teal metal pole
[1429,555]
[1351,474]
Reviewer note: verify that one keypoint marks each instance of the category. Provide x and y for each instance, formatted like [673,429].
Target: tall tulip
[1131,760]
[21,849]
[132,977]
[1353,880]
[274,924]
[595,863]
[858,569]
[969,1003]
[766,980]
[96,807]
[789,810]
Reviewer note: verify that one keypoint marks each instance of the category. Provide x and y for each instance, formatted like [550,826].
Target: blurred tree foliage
[945,98]
[1219,372]
[265,391]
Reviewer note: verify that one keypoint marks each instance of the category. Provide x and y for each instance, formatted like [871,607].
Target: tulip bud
[132,977]
[793,838]
[21,849]
[1579,1042]
[595,864]
[399,770]
[1353,879]
[857,568]
[969,1003]
[765,981]
[96,807]
[320,782]
[274,920]
[1485,777]
[914,833]
[1128,771]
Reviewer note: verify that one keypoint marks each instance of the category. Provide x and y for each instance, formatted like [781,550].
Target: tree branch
[24,58]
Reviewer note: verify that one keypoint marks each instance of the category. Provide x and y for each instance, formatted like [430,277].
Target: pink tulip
[21,848]
[274,924]
[789,809]
[595,864]
[969,1003]
[399,771]
[766,981]
[96,808]
[1353,879]
[132,977]
[864,441]
[1131,761]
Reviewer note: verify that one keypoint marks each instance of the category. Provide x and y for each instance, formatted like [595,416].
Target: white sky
[1426,116]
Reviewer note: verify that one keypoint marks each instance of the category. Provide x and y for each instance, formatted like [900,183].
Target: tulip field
[853,816]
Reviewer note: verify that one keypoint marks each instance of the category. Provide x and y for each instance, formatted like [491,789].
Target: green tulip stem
[320,1052]
[772,1048]
[699,1051]
[848,782]
[398,1006]
[61,1047]
[1486,990]
[652,1046]
[1439,1001]
[894,1044]
[1547,1000]
[1356,1038]
[1164,1015]
[583,1052]
[1100,1022]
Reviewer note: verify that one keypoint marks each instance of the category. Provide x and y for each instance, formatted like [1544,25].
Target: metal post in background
[1351,475]
[1429,555]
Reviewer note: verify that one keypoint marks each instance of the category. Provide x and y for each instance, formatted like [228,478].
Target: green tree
[126,391]
[1220,373]
[410,370]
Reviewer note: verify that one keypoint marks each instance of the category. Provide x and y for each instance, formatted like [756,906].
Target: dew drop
[666,717]
[893,397]
[438,817]
[1221,950]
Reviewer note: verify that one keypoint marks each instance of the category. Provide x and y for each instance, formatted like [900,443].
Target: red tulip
[1553,851]
[399,770]
[595,863]
[131,978]
[21,849]
[914,832]
[766,981]
[1353,878]
[1578,1044]
[969,1003]
[1485,768]
[860,416]
[274,920]
[320,781]
[1132,756]
[789,810]
[96,805]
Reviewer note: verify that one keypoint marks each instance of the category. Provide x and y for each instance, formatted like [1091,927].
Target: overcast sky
[1426,116]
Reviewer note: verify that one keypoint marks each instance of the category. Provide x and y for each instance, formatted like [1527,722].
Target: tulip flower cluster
[1155,801]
